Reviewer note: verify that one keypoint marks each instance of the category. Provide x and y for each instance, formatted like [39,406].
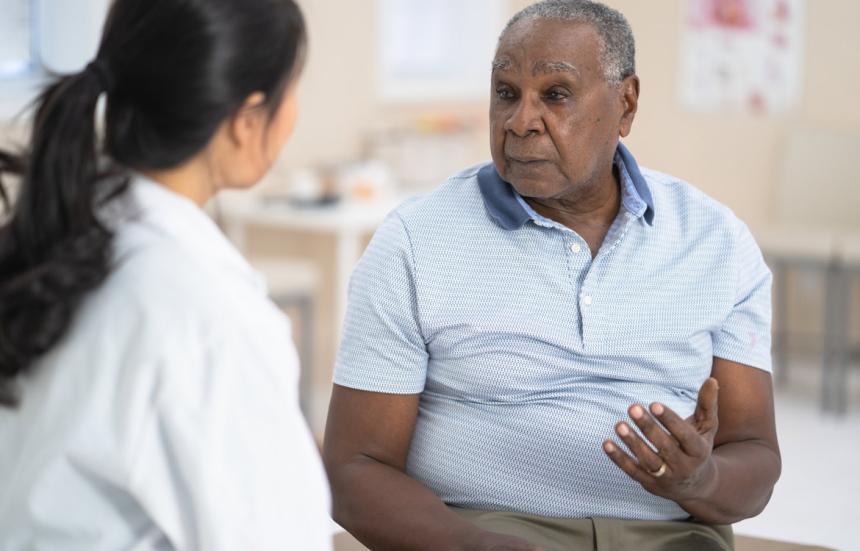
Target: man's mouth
[526,159]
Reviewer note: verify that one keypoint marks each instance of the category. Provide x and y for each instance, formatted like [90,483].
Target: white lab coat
[167,417]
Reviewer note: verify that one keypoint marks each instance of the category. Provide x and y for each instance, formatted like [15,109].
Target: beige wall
[737,158]
[337,93]
[733,158]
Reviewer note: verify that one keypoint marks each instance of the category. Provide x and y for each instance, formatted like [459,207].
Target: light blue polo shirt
[526,351]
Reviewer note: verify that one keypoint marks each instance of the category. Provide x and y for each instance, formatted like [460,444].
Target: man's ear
[244,125]
[630,101]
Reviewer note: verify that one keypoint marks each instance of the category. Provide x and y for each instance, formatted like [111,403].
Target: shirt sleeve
[382,347]
[745,335]
[226,461]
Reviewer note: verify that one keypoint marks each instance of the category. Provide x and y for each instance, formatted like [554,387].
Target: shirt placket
[579,264]
[592,299]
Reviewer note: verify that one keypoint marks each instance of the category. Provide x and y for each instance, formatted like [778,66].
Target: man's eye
[557,95]
[504,93]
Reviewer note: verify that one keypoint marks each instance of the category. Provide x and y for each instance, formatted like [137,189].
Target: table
[349,222]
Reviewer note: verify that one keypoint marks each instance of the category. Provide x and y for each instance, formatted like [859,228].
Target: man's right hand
[366,446]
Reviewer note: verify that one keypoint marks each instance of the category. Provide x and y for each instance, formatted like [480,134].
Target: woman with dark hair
[148,387]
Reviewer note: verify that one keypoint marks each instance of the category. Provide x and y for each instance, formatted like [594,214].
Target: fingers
[706,405]
[689,439]
[626,463]
[667,446]
[646,457]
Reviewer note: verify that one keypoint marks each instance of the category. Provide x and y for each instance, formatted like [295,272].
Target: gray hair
[618,48]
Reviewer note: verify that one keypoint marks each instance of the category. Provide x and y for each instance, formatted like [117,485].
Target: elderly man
[558,349]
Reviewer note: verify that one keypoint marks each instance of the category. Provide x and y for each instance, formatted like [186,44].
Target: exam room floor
[816,499]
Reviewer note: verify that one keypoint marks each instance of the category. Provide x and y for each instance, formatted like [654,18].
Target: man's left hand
[681,468]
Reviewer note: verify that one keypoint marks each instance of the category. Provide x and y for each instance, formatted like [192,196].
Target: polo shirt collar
[506,207]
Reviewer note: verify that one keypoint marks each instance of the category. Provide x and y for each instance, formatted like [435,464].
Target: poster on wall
[742,56]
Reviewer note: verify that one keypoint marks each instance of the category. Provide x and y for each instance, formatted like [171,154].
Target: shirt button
[587,300]
[576,248]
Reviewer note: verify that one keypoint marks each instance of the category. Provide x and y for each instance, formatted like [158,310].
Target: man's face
[554,120]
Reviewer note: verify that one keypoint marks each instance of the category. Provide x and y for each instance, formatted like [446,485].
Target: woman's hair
[172,72]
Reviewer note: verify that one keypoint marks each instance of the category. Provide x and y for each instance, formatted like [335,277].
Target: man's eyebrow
[502,64]
[547,67]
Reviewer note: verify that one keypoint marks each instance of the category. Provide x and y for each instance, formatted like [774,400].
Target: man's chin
[536,180]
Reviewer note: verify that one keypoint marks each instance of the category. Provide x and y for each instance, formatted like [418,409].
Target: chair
[840,352]
[815,209]
[790,250]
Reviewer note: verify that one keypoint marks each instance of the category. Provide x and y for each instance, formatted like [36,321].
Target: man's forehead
[556,46]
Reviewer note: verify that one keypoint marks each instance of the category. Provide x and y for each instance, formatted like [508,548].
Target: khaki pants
[600,534]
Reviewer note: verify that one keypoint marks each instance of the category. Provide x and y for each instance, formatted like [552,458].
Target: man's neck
[589,211]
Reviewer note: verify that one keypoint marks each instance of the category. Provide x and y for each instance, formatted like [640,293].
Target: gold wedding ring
[659,472]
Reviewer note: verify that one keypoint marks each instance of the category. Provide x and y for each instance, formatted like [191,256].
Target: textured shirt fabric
[167,417]
[526,351]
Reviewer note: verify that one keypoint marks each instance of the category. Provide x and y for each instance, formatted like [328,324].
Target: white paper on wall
[742,55]
[437,49]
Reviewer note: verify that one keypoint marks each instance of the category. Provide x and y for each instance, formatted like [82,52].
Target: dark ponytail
[53,250]
[173,70]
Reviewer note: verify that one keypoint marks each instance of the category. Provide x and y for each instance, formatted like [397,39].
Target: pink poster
[742,55]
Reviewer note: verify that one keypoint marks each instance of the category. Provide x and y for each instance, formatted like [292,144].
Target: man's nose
[526,118]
